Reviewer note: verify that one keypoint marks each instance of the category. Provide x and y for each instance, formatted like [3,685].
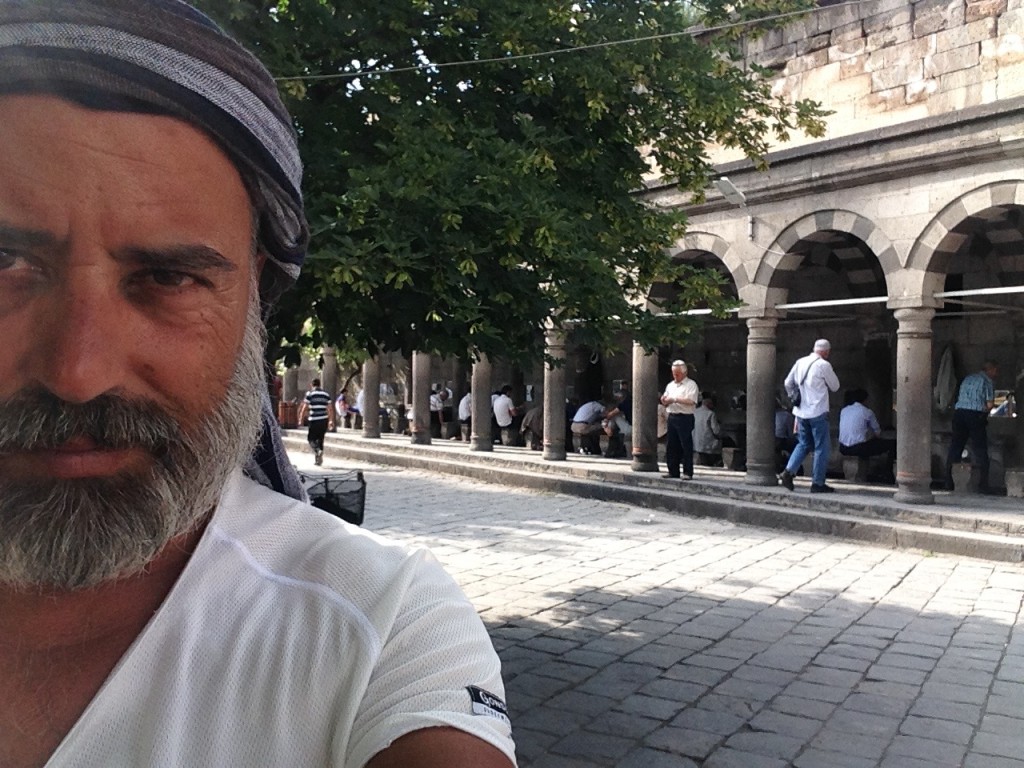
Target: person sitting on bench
[860,434]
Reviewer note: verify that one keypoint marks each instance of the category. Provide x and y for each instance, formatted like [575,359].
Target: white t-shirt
[503,408]
[292,639]
[466,407]
[686,389]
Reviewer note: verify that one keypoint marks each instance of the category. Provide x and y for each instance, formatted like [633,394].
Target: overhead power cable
[692,32]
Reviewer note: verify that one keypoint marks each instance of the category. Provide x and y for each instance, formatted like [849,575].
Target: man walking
[680,401]
[810,380]
[317,405]
[970,423]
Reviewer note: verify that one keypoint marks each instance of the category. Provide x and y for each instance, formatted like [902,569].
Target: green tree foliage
[459,206]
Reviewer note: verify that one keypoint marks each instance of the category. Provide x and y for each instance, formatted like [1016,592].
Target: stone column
[554,397]
[645,410]
[290,385]
[480,434]
[330,371]
[371,397]
[420,424]
[914,405]
[761,385]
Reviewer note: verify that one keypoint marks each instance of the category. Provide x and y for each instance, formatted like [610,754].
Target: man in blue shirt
[970,420]
[860,434]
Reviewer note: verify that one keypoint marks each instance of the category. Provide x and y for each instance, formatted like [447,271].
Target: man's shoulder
[284,542]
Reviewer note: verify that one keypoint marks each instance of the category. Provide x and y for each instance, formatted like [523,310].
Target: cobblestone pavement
[633,638]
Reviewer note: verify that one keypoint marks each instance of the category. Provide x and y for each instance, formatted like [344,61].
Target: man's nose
[83,351]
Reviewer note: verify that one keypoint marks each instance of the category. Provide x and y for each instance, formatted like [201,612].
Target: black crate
[343,494]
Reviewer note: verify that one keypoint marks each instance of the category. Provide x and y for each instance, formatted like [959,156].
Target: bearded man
[160,606]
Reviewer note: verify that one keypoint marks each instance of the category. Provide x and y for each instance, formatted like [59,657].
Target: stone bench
[855,469]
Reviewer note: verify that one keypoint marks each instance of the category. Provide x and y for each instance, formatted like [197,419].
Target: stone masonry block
[838,16]
[966,57]
[1010,83]
[882,101]
[897,55]
[847,49]
[847,32]
[811,44]
[893,18]
[962,78]
[893,77]
[817,82]
[798,30]
[807,61]
[849,89]
[935,15]
[855,67]
[776,57]
[870,8]
[787,87]
[889,37]
[975,32]
[1010,23]
[980,9]
[921,90]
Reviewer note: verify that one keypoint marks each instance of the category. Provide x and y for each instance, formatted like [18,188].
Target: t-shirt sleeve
[436,668]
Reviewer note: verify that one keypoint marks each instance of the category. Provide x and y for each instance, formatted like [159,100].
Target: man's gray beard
[75,534]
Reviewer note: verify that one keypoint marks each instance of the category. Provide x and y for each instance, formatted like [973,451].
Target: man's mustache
[38,420]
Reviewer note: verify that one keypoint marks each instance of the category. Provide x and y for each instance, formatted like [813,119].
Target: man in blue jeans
[812,376]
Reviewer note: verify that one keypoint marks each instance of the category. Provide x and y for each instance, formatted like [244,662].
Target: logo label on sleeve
[488,705]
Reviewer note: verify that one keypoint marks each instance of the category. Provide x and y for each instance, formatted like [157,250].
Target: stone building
[898,236]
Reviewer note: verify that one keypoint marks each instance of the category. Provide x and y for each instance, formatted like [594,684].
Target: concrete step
[995,532]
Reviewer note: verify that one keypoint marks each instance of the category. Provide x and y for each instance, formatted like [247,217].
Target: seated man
[860,434]
[617,425]
[533,427]
[586,424]
[167,597]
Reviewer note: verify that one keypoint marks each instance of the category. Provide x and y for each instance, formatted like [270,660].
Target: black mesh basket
[343,494]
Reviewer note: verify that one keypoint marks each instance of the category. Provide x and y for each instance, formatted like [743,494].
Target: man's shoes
[786,480]
[319,458]
[687,477]
[822,489]
[671,477]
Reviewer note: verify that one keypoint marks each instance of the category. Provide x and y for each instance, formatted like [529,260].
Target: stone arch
[716,245]
[942,238]
[782,256]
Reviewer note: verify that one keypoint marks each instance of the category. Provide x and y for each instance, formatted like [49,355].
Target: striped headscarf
[164,57]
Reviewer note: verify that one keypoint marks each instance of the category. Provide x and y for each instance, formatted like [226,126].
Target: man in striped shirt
[318,406]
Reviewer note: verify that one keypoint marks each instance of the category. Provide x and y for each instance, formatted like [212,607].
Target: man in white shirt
[680,400]
[167,597]
[437,422]
[860,433]
[466,416]
[504,412]
[811,378]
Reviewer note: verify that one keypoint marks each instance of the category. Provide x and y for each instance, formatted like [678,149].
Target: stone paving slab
[985,527]
[631,637]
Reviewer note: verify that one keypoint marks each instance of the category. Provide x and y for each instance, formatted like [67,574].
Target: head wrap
[164,57]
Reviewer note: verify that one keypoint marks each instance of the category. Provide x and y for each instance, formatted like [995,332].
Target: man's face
[679,372]
[126,292]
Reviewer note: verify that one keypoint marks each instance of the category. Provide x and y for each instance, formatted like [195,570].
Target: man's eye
[167,278]
[12,262]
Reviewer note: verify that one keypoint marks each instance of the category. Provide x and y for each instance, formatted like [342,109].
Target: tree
[472,167]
